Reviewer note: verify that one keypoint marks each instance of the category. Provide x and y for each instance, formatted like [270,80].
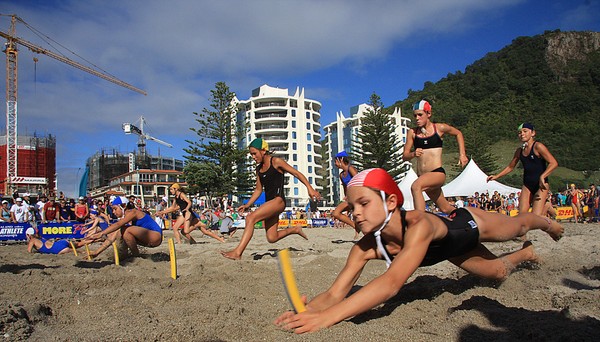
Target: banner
[52,230]
[320,222]
[13,231]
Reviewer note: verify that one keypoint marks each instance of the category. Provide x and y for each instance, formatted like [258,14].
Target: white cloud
[177,50]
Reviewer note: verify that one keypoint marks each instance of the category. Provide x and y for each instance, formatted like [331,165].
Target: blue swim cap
[120,200]
[341,154]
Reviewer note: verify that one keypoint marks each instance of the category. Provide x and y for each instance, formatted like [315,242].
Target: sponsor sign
[29,180]
[13,231]
[320,222]
[63,230]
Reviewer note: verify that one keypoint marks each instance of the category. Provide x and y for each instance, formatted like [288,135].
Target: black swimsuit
[533,167]
[462,237]
[272,182]
[432,141]
[182,205]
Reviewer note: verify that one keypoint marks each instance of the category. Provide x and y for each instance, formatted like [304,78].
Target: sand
[57,298]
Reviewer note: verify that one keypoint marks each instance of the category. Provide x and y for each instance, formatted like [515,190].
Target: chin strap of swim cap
[380,247]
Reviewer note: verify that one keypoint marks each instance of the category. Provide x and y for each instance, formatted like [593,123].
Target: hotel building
[342,134]
[291,126]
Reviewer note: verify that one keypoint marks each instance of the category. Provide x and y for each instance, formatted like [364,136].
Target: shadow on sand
[518,324]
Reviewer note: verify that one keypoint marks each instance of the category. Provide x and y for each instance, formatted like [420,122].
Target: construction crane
[129,128]
[11,51]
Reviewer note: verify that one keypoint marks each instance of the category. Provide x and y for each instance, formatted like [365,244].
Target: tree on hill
[377,145]
[215,164]
[478,147]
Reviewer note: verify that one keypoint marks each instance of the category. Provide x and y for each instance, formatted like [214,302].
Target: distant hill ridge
[551,80]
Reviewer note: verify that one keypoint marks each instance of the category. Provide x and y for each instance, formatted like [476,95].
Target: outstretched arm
[255,195]
[374,293]
[406,152]
[281,165]
[129,216]
[543,151]
[359,255]
[447,129]
[509,168]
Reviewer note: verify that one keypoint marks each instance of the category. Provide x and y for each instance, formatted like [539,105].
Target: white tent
[472,180]
[404,186]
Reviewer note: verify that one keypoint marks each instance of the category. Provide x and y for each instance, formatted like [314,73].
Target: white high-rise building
[291,126]
[341,134]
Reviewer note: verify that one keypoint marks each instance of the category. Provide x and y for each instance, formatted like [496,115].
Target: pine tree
[478,147]
[377,145]
[215,166]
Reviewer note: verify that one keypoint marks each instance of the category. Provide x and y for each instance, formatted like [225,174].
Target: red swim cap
[378,179]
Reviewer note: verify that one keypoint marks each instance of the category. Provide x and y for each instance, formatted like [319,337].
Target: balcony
[279,147]
[258,116]
[271,137]
[266,126]
[262,104]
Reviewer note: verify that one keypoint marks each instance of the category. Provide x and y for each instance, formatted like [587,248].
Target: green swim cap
[260,144]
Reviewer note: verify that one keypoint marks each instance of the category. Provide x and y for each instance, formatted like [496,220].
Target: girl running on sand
[538,163]
[342,161]
[427,141]
[188,217]
[270,178]
[408,240]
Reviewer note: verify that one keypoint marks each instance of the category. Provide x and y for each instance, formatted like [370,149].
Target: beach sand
[57,298]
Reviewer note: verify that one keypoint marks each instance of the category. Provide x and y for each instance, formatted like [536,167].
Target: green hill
[551,80]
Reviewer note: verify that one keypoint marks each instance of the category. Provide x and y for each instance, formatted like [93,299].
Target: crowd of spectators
[506,203]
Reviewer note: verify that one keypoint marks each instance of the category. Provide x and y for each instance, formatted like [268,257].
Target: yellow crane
[11,51]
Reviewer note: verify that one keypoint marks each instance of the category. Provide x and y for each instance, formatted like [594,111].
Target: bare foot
[231,255]
[531,256]
[555,230]
[298,230]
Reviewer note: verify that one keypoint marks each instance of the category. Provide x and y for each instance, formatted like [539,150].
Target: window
[295,180]
[310,169]
[308,115]
[308,125]
[294,146]
[293,135]
[308,147]
[294,157]
[293,123]
[310,180]
[308,136]
[310,159]
[295,191]
[293,110]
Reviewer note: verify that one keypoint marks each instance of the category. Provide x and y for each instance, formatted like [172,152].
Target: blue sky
[340,52]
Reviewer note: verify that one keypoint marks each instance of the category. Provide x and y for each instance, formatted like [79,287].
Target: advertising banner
[52,230]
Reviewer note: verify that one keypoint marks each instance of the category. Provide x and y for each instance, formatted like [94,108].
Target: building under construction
[110,163]
[36,165]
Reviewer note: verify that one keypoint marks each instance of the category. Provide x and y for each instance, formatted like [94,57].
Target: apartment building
[341,135]
[291,126]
